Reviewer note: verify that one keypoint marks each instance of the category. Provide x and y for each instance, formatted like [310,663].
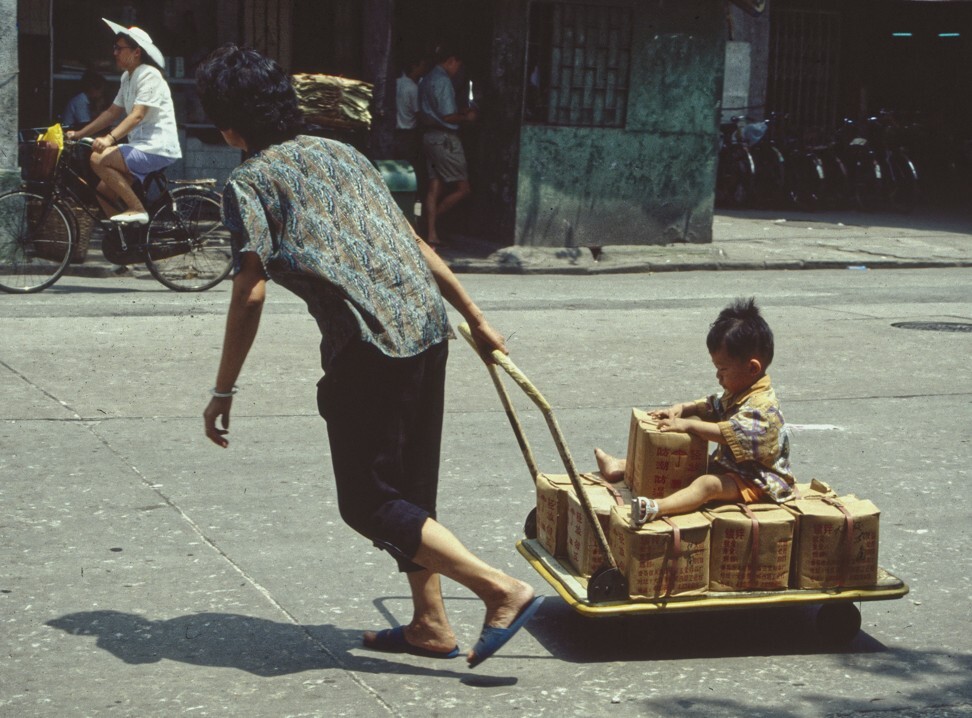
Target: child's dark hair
[242,90]
[741,329]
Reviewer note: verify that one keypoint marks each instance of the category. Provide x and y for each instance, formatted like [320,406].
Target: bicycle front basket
[48,233]
[38,161]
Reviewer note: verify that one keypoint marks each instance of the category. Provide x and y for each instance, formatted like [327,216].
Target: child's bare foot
[611,467]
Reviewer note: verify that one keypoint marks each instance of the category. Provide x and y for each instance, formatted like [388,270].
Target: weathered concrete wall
[9,175]
[651,182]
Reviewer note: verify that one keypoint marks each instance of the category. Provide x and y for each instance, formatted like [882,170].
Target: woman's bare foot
[429,638]
[502,610]
[611,467]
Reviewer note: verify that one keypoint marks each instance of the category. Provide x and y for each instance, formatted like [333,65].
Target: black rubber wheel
[188,247]
[805,181]
[735,178]
[868,184]
[36,238]
[904,191]
[838,623]
[530,525]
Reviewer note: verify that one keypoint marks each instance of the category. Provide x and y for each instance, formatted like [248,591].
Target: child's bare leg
[705,488]
[611,467]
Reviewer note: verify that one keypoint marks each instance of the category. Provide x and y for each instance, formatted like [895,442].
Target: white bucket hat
[141,38]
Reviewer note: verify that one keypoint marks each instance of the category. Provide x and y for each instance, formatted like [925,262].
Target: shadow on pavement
[259,646]
[714,634]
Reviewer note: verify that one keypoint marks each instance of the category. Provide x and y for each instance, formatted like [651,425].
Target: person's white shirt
[157,134]
[406,103]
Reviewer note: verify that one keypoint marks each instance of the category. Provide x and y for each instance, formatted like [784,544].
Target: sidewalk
[742,240]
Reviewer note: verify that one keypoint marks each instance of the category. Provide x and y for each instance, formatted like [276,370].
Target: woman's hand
[487,339]
[218,408]
[102,143]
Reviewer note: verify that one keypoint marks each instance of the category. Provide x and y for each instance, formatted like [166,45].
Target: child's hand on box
[669,423]
[672,412]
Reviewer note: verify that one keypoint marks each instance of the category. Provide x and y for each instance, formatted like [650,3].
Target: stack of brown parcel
[562,526]
[670,556]
[817,541]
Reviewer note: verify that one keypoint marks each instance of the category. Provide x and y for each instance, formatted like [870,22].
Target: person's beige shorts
[444,155]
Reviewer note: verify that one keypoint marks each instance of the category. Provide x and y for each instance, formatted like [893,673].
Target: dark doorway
[421,27]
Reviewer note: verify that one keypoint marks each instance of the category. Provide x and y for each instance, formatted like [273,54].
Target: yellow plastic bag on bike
[55,134]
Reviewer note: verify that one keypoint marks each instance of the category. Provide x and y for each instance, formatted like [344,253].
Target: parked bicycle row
[866,165]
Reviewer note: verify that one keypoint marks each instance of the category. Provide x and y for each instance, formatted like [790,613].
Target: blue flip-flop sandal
[392,640]
[493,638]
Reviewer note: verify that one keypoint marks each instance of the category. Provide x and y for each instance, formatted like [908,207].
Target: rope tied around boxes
[676,555]
[753,545]
[847,554]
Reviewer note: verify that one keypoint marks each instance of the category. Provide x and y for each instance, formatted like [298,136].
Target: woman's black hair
[242,90]
[741,329]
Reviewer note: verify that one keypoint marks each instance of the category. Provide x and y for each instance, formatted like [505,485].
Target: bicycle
[184,245]
[736,172]
[889,139]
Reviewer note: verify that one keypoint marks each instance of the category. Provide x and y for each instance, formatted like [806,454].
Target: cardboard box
[660,463]
[750,552]
[552,491]
[657,566]
[836,543]
[583,550]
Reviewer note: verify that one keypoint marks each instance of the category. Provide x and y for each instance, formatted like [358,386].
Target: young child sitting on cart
[751,461]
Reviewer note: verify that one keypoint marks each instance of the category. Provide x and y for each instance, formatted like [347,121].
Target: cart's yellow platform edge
[573,589]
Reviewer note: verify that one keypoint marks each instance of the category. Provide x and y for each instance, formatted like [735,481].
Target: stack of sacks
[334,102]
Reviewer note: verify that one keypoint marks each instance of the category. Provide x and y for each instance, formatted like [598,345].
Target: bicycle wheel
[770,181]
[904,191]
[735,178]
[188,248]
[868,183]
[36,237]
[805,180]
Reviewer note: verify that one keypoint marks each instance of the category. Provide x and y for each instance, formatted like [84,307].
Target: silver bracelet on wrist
[224,394]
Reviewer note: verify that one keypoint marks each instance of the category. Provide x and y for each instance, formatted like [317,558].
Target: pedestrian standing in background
[441,118]
[408,133]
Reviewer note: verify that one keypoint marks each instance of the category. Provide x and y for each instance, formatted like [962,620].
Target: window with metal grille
[804,69]
[578,61]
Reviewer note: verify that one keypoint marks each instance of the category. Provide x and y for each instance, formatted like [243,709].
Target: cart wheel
[530,525]
[607,584]
[838,623]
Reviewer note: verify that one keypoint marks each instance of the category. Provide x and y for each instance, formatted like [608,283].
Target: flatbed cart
[605,594]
